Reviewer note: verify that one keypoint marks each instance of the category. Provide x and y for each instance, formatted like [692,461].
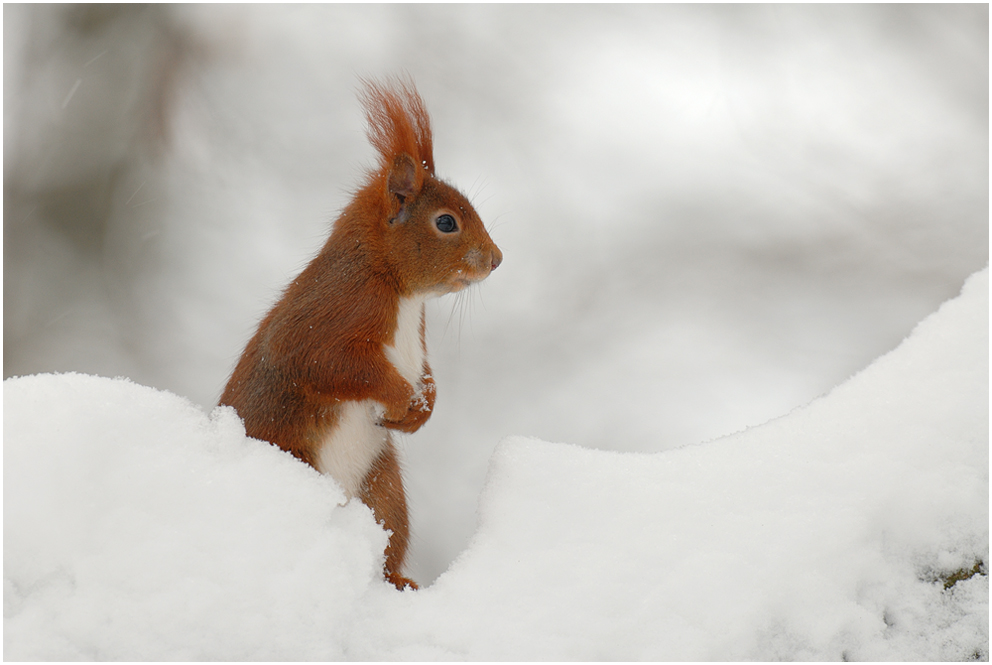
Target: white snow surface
[137,526]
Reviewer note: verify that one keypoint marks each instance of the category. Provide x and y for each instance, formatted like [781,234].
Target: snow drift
[138,527]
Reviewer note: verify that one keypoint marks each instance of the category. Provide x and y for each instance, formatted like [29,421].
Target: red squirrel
[340,360]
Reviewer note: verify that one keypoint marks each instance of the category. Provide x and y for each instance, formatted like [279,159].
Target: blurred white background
[709,215]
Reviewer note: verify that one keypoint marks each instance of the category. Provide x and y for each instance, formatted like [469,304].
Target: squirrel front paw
[418,408]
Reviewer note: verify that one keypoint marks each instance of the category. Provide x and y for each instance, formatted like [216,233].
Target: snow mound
[822,535]
[856,527]
[136,527]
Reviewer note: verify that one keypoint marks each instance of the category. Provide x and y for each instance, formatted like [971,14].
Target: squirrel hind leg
[382,491]
[400,582]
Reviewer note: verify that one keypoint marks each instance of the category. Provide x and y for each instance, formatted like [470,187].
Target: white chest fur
[352,445]
[407,350]
[357,439]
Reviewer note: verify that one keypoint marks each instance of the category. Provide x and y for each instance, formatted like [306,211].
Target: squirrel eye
[446,224]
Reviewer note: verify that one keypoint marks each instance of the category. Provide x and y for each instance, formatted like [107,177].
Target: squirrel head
[434,241]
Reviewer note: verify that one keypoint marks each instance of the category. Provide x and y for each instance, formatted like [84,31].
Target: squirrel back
[340,360]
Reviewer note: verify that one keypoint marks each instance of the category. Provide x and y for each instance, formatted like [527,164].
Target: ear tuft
[398,124]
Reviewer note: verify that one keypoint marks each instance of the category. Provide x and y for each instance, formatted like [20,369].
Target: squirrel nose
[497,258]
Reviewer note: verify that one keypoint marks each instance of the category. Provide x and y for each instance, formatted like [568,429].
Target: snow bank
[820,535]
[138,527]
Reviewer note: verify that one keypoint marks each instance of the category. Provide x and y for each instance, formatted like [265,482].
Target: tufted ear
[403,181]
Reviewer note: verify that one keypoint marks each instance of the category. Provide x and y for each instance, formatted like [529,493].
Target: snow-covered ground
[709,215]
[137,526]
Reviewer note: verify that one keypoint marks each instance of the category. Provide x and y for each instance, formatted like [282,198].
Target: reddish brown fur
[398,123]
[383,493]
[323,343]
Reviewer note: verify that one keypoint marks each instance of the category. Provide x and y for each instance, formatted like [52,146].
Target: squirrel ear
[403,178]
